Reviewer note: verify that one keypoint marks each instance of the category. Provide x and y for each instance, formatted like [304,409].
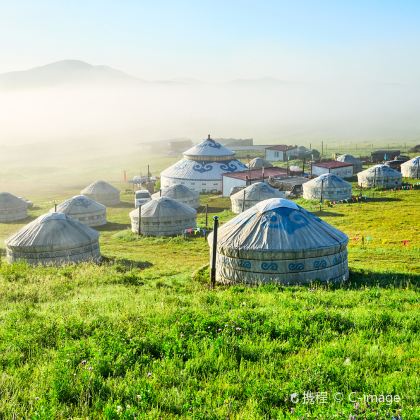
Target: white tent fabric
[357,164]
[84,209]
[180,193]
[329,186]
[279,241]
[252,195]
[163,217]
[12,208]
[411,168]
[54,239]
[202,167]
[103,193]
[381,176]
[259,163]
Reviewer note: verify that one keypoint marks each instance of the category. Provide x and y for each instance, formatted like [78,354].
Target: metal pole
[160,192]
[139,227]
[243,202]
[55,207]
[214,251]
[322,189]
[207,215]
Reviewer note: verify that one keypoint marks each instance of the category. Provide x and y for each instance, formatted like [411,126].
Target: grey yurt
[253,194]
[259,163]
[12,208]
[103,193]
[163,217]
[357,164]
[327,187]
[180,193]
[381,176]
[54,239]
[279,241]
[411,168]
[85,210]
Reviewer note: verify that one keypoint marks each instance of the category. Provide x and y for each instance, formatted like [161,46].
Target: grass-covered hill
[143,336]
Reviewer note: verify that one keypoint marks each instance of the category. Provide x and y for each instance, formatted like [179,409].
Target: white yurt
[259,163]
[411,168]
[357,164]
[12,208]
[180,193]
[202,167]
[54,239]
[381,176]
[328,187]
[279,241]
[253,194]
[84,209]
[163,217]
[103,193]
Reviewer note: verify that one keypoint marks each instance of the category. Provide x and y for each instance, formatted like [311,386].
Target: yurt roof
[412,162]
[178,191]
[258,163]
[10,201]
[328,181]
[195,170]
[209,148]
[80,204]
[100,187]
[381,170]
[258,191]
[164,207]
[277,225]
[53,230]
[349,159]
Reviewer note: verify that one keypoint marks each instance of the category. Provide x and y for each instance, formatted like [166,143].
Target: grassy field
[142,336]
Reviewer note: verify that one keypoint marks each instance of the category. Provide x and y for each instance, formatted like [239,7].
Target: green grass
[141,335]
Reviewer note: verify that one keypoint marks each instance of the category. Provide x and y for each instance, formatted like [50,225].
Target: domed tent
[163,217]
[252,195]
[279,241]
[12,208]
[357,164]
[259,163]
[202,167]
[85,210]
[379,176]
[411,168]
[103,193]
[54,238]
[328,187]
[180,193]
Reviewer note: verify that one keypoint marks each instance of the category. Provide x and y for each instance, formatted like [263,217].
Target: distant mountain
[65,72]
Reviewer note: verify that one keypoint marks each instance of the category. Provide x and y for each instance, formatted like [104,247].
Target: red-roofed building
[341,169]
[244,178]
[280,152]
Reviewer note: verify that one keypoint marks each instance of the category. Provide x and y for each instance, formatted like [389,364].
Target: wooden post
[243,202]
[207,215]
[139,227]
[214,252]
[55,207]
[160,192]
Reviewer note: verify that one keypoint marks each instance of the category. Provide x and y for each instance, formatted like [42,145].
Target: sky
[357,41]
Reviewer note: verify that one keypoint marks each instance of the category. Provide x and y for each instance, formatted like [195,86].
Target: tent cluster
[327,187]
[278,241]
[253,194]
[411,168]
[379,176]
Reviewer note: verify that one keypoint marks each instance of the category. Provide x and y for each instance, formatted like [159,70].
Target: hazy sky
[359,41]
